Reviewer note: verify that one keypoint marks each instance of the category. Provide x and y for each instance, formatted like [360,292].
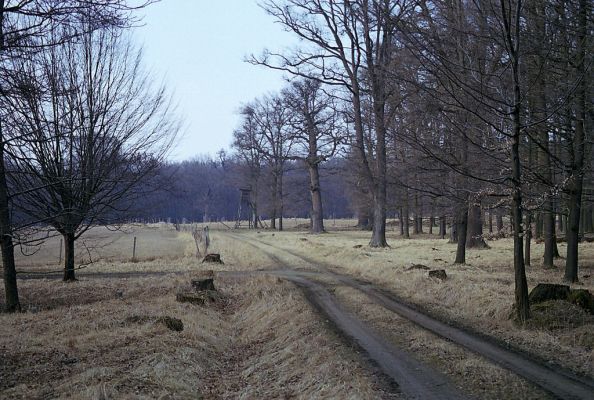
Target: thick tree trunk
[461,227]
[474,237]
[69,257]
[10,283]
[378,235]
[317,215]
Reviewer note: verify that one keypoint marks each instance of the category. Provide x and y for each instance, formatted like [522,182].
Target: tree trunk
[431,223]
[513,46]
[406,220]
[453,231]
[69,257]
[378,235]
[281,202]
[550,238]
[528,239]
[576,179]
[10,283]
[442,227]
[461,227]
[499,220]
[474,236]
[317,215]
[490,221]
[401,222]
[11,292]
[539,225]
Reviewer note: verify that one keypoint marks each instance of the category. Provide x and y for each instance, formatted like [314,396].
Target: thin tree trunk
[528,238]
[513,44]
[490,222]
[274,193]
[577,178]
[281,202]
[539,225]
[69,257]
[461,227]
[406,219]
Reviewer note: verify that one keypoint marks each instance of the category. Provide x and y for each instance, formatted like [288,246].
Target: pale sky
[198,48]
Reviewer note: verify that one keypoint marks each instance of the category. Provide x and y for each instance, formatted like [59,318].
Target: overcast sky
[198,48]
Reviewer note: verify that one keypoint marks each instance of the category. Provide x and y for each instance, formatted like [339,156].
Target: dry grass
[478,295]
[92,339]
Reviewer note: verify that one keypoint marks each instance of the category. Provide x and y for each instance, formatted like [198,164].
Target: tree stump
[548,291]
[203,284]
[197,298]
[438,273]
[213,258]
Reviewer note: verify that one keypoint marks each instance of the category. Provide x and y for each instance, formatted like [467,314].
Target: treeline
[207,189]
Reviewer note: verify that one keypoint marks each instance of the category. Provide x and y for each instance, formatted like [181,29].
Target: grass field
[100,338]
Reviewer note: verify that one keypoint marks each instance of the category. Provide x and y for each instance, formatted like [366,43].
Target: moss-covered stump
[213,258]
[548,291]
[439,274]
[558,314]
[582,298]
[203,284]
[197,298]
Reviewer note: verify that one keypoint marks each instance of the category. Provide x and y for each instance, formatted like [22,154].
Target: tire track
[560,383]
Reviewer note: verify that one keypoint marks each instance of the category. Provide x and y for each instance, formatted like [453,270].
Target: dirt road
[560,383]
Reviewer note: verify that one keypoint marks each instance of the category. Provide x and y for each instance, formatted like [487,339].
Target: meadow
[101,338]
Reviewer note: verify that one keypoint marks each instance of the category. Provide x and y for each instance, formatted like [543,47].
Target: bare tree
[350,46]
[91,125]
[20,23]
[316,136]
